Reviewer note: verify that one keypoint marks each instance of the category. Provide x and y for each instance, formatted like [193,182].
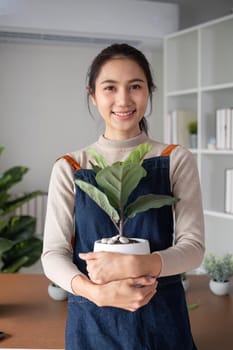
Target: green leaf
[119,180]
[192,306]
[138,154]
[95,168]
[3,223]
[30,248]
[12,176]
[12,205]
[100,160]
[148,201]
[19,227]
[4,197]
[100,198]
[5,244]
[1,149]
[16,265]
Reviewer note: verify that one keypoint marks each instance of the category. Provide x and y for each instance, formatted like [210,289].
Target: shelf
[216,152]
[217,214]
[182,92]
[198,77]
[217,87]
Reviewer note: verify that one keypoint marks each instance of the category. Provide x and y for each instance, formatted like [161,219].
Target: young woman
[106,309]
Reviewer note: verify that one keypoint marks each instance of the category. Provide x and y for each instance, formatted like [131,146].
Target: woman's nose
[123,97]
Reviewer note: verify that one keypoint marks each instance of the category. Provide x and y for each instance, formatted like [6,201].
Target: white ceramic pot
[57,293]
[220,288]
[185,284]
[141,247]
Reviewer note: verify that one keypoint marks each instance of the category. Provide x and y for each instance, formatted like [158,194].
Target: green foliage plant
[116,182]
[219,269]
[192,127]
[18,245]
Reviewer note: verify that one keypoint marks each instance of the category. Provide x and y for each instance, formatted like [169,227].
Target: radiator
[36,207]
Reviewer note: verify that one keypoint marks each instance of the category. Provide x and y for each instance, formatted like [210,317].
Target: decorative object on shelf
[192,129]
[178,126]
[185,281]
[211,143]
[116,183]
[56,292]
[220,269]
[224,128]
[18,245]
[229,191]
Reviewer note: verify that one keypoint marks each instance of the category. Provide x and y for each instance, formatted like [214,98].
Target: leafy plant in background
[219,268]
[18,245]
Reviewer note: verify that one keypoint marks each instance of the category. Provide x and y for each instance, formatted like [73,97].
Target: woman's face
[121,96]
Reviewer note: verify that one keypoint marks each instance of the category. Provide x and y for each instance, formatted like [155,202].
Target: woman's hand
[128,294]
[105,267]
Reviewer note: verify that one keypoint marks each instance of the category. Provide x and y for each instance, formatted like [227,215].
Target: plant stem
[121,223]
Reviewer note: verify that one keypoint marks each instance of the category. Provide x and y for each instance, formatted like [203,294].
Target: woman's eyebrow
[107,81]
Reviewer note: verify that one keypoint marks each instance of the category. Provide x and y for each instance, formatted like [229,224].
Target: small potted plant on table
[116,182]
[220,269]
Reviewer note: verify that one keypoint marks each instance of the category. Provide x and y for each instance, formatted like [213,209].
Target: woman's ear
[91,94]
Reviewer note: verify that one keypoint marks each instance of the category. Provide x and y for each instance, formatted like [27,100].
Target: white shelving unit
[198,76]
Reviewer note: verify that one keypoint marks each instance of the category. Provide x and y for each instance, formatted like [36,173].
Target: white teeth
[123,114]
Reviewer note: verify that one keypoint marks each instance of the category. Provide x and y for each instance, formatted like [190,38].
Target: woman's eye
[135,87]
[109,88]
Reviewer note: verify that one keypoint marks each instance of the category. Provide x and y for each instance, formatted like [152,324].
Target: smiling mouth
[124,115]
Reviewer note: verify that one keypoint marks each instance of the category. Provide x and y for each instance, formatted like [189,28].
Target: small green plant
[192,127]
[18,245]
[117,182]
[219,268]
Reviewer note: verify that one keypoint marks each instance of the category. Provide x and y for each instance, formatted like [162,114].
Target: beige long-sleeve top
[188,248]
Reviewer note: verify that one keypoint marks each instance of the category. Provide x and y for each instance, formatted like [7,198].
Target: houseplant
[192,129]
[116,182]
[220,269]
[18,245]
[56,292]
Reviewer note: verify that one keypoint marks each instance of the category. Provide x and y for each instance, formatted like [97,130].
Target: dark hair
[124,51]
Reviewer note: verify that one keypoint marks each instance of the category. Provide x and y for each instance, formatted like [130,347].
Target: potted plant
[116,182]
[192,129]
[220,269]
[56,292]
[18,245]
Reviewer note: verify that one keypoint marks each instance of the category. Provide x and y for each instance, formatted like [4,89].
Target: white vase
[57,293]
[185,284]
[141,247]
[220,288]
[193,140]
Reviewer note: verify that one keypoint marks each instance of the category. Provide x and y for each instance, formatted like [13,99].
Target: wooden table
[33,320]
[212,320]
[30,317]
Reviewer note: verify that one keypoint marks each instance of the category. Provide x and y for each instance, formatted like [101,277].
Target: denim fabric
[162,324]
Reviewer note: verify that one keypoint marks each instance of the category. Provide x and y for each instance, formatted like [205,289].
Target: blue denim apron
[162,324]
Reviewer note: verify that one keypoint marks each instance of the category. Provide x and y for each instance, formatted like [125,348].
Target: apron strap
[74,164]
[167,151]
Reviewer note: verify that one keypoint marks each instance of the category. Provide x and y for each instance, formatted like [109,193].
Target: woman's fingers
[125,294]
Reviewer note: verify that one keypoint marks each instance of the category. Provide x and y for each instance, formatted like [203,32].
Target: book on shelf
[178,122]
[229,191]
[224,128]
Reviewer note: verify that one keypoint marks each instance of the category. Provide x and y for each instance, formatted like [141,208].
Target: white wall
[43,111]
[141,20]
